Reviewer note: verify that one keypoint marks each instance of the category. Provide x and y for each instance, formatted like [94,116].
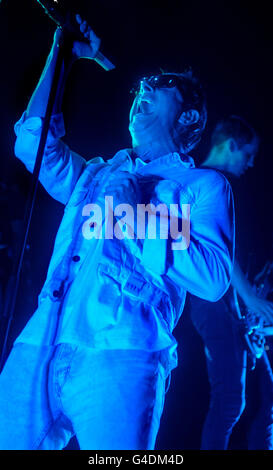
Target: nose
[145,86]
[250,162]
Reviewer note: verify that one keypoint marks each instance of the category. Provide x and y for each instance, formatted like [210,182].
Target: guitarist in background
[233,149]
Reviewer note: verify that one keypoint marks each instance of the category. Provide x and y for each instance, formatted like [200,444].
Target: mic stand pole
[13,284]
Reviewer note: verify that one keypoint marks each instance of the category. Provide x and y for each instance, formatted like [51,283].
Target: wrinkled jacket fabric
[125,294]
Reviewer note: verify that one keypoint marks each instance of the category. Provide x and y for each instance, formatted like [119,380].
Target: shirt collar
[170,159]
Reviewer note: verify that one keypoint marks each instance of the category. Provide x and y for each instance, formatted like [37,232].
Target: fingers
[78,18]
[84,27]
[89,34]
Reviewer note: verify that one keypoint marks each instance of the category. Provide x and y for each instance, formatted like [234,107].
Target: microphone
[65,21]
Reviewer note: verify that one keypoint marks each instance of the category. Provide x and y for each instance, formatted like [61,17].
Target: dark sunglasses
[159,81]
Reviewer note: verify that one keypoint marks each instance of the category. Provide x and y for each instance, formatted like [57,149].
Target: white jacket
[110,293]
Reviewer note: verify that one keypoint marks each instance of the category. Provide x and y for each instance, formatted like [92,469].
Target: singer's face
[154,113]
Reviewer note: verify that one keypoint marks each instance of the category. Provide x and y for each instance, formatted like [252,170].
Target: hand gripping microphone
[65,21]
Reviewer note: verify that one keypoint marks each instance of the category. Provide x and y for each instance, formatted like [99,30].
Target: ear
[232,145]
[189,117]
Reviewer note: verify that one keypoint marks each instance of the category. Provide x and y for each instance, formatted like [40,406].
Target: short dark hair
[193,98]
[234,127]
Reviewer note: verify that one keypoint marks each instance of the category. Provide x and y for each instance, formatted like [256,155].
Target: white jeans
[111,399]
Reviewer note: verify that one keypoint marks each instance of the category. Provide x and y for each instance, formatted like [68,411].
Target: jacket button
[57,293]
[76,258]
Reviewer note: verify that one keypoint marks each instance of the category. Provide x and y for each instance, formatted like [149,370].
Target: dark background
[229,46]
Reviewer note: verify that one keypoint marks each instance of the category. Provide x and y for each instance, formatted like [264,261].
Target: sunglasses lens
[171,82]
[163,81]
[157,81]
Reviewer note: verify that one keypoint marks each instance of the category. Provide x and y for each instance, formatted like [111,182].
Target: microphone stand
[13,284]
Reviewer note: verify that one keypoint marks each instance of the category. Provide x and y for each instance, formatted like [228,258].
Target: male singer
[94,358]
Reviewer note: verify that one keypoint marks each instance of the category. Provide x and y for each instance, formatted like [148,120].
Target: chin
[137,133]
[133,128]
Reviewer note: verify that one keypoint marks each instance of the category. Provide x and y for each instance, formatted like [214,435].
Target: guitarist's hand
[261,307]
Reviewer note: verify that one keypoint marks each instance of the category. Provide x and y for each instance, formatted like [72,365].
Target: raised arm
[61,167]
[77,50]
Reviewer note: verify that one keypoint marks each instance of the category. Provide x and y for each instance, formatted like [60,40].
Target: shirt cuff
[33,125]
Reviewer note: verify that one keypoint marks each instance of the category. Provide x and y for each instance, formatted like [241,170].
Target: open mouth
[144,107]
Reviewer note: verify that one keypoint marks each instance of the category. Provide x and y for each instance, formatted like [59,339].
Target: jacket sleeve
[61,167]
[204,266]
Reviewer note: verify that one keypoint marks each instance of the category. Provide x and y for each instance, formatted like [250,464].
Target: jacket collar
[168,160]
